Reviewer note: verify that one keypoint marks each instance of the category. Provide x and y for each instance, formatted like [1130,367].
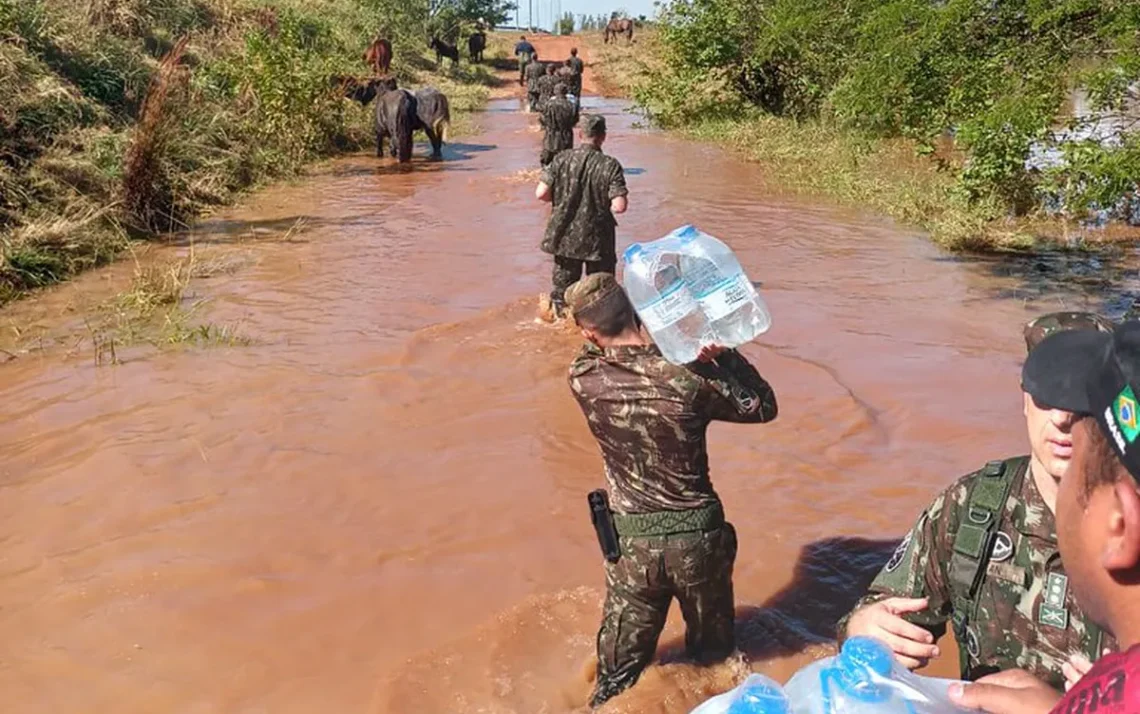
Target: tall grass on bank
[887,175]
[101,138]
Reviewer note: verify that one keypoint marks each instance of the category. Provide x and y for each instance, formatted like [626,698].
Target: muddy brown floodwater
[380,505]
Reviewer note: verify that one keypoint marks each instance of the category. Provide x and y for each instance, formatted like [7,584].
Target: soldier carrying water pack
[983,556]
[662,526]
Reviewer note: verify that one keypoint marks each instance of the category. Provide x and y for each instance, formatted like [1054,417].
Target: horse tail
[442,122]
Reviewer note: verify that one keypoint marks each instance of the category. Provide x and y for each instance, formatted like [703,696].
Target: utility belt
[609,526]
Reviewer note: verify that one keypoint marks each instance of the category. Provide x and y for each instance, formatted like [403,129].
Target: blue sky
[545,9]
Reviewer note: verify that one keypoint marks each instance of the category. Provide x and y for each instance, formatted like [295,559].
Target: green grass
[103,143]
[812,157]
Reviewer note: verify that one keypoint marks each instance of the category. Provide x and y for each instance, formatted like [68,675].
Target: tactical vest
[974,544]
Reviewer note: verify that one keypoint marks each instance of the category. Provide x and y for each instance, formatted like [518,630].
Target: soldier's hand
[912,645]
[1077,667]
[1013,692]
[710,352]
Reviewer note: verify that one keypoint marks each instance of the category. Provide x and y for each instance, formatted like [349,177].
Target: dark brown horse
[379,56]
[443,49]
[476,43]
[619,26]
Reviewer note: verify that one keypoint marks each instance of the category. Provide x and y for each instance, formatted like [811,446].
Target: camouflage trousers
[568,271]
[695,568]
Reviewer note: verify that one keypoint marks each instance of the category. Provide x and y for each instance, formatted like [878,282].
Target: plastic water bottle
[865,679]
[689,272]
[756,695]
[664,303]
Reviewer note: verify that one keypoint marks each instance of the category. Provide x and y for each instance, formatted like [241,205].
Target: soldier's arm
[732,390]
[619,194]
[917,569]
[544,191]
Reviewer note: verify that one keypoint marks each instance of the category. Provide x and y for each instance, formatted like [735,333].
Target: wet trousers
[568,271]
[695,568]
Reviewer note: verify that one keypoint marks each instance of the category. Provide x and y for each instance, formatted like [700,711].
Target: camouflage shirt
[650,418]
[534,71]
[1024,615]
[577,65]
[545,86]
[558,118]
[584,181]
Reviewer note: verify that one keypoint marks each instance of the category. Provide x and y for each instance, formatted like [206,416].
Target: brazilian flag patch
[1124,410]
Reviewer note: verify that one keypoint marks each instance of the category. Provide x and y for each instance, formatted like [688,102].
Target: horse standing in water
[442,49]
[617,27]
[379,56]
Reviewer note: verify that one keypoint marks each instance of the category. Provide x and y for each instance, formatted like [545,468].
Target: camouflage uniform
[545,90]
[994,574]
[577,68]
[650,419]
[558,119]
[534,71]
[581,232]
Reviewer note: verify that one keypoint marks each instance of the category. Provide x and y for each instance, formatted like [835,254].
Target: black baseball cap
[1096,373]
[1057,383]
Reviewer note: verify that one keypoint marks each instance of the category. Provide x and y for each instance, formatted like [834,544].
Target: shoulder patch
[1002,549]
[899,555]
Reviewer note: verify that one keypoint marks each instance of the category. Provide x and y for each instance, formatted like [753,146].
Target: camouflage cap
[560,89]
[590,291]
[593,125]
[1041,327]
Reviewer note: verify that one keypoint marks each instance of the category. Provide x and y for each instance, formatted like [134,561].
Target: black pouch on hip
[603,520]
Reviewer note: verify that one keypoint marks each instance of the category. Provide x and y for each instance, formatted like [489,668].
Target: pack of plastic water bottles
[690,291]
[863,678]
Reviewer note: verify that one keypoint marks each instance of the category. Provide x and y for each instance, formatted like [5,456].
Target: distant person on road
[578,67]
[650,419]
[534,71]
[546,86]
[983,556]
[525,52]
[587,189]
[558,119]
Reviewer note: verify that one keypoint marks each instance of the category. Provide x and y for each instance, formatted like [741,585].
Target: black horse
[442,49]
[476,43]
[397,115]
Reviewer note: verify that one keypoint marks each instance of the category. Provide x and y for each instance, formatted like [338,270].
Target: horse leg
[433,137]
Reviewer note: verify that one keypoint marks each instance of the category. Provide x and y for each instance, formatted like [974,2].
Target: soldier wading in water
[587,188]
[672,540]
[984,557]
[557,119]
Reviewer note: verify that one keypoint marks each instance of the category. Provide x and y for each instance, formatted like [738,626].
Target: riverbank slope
[128,120]
[897,176]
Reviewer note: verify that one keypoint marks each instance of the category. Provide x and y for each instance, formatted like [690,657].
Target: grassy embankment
[125,119]
[890,175]
[106,145]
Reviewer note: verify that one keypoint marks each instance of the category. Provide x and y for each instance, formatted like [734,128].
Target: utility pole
[530,15]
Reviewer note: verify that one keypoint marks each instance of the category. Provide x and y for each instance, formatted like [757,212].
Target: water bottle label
[726,297]
[674,304]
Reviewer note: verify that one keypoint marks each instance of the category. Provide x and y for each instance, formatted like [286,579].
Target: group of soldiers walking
[554,91]
[1042,597]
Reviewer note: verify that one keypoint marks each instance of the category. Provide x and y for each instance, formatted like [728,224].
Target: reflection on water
[379,506]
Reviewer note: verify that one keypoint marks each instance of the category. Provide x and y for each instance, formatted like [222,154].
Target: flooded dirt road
[379,506]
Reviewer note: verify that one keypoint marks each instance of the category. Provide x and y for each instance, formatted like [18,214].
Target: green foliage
[254,96]
[994,76]
[566,24]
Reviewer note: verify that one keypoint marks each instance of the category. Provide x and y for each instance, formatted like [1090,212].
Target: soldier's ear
[1122,542]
